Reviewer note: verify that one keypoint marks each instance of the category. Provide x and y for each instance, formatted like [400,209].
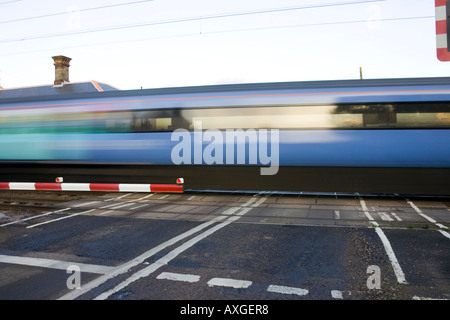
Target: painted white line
[387,246]
[396,216]
[419,212]
[384,216]
[142,205]
[259,202]
[122,205]
[136,261]
[171,255]
[178,277]
[394,262]
[232,283]
[62,218]
[54,264]
[287,290]
[144,197]
[190,198]
[85,204]
[445,233]
[337,214]
[117,198]
[439,225]
[365,209]
[106,212]
[108,206]
[163,197]
[336,294]
[425,298]
[34,217]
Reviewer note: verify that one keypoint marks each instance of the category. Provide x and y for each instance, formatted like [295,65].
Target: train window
[344,116]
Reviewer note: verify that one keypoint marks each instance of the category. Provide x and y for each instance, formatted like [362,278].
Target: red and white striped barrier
[441,30]
[119,187]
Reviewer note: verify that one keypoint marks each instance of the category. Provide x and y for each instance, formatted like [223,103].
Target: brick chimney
[61,69]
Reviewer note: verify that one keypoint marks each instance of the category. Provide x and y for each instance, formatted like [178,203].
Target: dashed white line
[336,294]
[232,283]
[287,290]
[172,254]
[178,277]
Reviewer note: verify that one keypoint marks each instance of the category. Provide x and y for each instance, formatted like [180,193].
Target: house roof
[48,90]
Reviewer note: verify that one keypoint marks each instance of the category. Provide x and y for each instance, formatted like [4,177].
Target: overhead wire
[80,10]
[188,19]
[230,31]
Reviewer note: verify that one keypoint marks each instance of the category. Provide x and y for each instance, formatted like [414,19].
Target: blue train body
[418,145]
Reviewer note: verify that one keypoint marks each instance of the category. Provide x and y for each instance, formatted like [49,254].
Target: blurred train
[380,136]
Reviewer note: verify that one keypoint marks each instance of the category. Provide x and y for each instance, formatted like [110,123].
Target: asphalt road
[227,247]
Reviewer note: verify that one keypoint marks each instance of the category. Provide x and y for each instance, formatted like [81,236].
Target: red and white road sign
[442,29]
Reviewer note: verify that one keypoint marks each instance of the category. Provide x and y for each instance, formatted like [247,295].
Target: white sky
[252,41]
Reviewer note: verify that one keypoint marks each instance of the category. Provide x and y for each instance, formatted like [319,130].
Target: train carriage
[366,136]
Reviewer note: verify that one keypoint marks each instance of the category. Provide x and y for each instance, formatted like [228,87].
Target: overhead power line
[188,19]
[227,31]
[81,10]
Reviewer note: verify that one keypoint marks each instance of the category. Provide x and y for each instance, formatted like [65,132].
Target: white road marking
[232,283]
[396,216]
[336,294]
[425,298]
[117,198]
[387,246]
[145,197]
[190,198]
[178,277]
[445,233]
[390,252]
[175,252]
[163,197]
[62,218]
[136,261]
[85,204]
[287,290]
[54,264]
[365,209]
[439,225]
[34,217]
[419,212]
[142,205]
[384,216]
[337,215]
[123,205]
